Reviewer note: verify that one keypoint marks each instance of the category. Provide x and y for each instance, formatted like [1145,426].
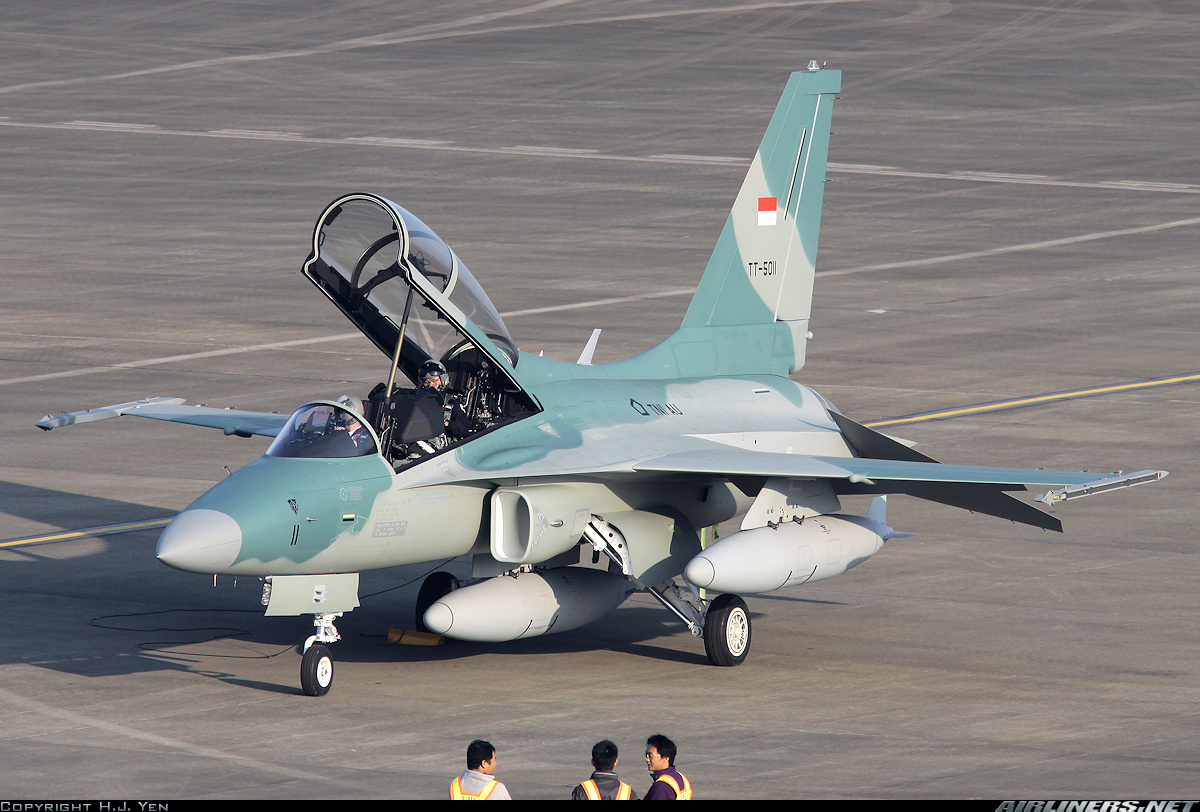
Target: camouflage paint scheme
[701,428]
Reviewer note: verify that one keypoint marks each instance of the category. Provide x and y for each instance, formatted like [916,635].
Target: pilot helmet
[432,369]
[352,403]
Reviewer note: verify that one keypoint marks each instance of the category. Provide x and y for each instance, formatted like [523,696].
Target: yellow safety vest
[457,794]
[684,794]
[593,791]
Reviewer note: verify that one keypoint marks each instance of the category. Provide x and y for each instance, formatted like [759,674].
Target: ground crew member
[604,784]
[669,784]
[477,783]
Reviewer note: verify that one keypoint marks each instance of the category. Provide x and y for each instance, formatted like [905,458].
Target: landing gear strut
[316,669]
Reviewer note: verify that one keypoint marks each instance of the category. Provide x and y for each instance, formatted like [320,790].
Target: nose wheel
[316,669]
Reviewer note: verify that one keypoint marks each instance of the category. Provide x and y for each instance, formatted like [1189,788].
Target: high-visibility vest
[681,794]
[593,791]
[457,794]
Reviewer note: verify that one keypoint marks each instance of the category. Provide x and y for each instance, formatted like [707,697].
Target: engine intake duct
[535,523]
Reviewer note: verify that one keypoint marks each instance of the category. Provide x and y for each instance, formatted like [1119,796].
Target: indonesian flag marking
[767,211]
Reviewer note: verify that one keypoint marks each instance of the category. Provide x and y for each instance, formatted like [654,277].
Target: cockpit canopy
[413,297]
[378,262]
[324,431]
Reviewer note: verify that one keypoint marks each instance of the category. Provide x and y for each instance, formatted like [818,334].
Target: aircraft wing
[231,421]
[977,488]
[735,462]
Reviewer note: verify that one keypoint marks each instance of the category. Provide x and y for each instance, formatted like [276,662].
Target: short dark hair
[480,751]
[664,746]
[604,756]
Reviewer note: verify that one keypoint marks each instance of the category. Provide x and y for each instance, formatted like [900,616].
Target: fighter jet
[572,485]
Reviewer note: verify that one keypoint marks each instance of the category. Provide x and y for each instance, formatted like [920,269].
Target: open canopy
[378,262]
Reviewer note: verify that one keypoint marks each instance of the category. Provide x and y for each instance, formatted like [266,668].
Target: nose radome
[200,540]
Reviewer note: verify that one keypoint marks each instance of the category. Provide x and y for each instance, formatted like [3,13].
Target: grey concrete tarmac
[1013,210]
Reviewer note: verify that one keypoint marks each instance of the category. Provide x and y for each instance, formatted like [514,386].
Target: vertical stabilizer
[761,271]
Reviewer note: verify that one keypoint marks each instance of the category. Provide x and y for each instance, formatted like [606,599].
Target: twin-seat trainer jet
[571,485]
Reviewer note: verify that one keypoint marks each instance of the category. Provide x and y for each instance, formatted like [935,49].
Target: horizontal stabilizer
[987,499]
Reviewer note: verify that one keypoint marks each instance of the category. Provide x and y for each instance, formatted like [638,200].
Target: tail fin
[761,271]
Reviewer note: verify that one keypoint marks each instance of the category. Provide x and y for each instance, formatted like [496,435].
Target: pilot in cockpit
[433,377]
[351,422]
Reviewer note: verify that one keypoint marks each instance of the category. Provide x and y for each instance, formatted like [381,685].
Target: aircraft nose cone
[700,572]
[439,618]
[200,540]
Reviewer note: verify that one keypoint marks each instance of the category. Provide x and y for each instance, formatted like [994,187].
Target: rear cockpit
[400,284]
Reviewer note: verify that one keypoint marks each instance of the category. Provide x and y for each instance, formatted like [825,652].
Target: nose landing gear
[316,669]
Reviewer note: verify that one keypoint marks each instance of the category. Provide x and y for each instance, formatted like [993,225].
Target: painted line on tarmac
[74,721]
[1035,400]
[574,153]
[167,359]
[102,530]
[471,26]
[1009,249]
[599,302]
[300,342]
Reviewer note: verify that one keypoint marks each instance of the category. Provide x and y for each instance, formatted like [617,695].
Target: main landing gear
[316,669]
[727,630]
[723,622]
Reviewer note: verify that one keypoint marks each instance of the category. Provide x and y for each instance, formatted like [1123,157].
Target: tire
[435,587]
[727,631]
[316,670]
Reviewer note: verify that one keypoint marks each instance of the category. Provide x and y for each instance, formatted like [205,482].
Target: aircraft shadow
[71,511]
[123,613]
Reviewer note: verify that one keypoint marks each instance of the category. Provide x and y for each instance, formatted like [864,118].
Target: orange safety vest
[684,794]
[593,791]
[457,794]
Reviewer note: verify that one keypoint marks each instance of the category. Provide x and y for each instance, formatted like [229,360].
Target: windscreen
[323,431]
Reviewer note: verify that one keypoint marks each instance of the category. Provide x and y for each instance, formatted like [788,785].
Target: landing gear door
[311,594]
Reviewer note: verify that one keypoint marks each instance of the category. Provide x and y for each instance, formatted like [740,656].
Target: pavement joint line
[559,153]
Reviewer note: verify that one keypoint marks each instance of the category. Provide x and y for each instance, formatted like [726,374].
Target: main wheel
[727,631]
[316,670]
[436,586]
